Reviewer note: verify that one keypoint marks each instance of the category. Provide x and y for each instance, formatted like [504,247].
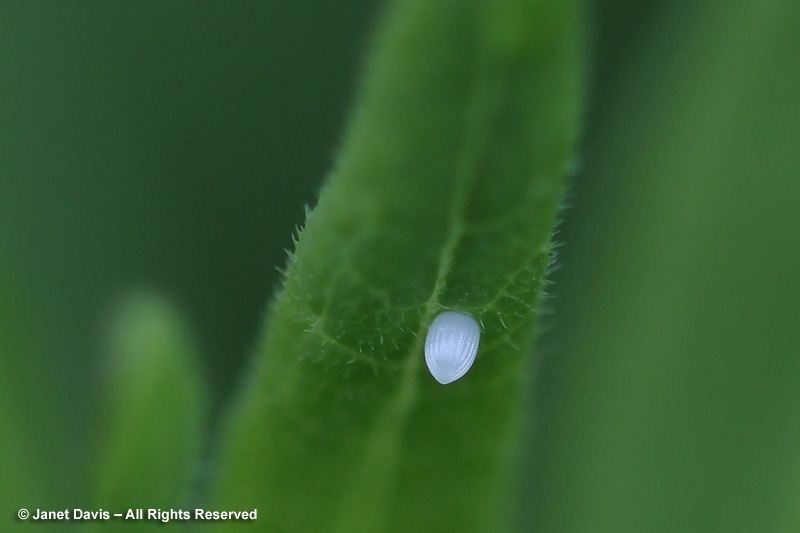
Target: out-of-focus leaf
[674,402]
[154,429]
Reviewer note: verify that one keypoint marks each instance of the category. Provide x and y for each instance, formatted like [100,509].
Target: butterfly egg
[451,346]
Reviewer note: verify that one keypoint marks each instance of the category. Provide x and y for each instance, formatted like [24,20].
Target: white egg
[451,346]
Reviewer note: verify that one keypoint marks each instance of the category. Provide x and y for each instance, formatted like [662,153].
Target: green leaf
[676,406]
[444,197]
[150,446]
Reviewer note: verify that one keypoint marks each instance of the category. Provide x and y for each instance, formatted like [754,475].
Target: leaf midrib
[365,503]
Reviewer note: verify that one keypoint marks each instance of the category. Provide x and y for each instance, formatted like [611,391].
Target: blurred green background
[173,145]
[165,145]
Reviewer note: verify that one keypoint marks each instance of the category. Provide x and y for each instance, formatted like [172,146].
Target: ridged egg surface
[451,346]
